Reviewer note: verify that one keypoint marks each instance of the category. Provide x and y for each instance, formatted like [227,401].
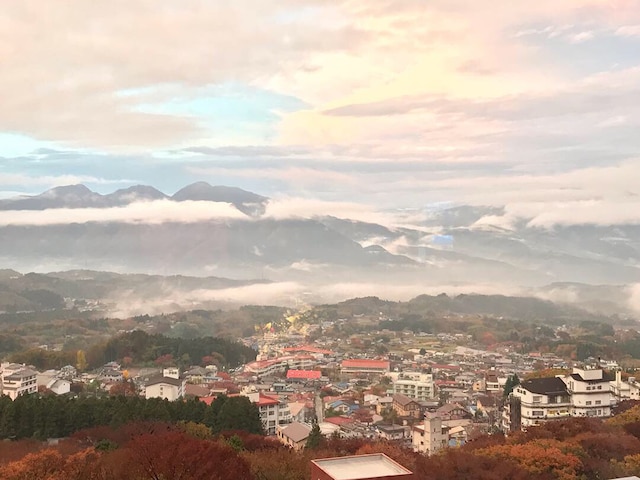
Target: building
[535,401]
[304,375]
[273,412]
[359,467]
[583,393]
[624,390]
[431,435]
[274,366]
[17,380]
[294,435]
[413,384]
[365,366]
[407,407]
[168,386]
[590,393]
[393,432]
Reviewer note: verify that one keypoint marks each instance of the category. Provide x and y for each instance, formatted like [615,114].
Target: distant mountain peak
[78,190]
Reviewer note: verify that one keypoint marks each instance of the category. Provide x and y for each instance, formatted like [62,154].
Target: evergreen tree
[315,438]
[511,383]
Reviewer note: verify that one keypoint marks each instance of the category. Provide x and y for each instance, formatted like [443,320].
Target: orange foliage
[540,457]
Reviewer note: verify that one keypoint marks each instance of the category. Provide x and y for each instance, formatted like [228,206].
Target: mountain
[71,196]
[453,246]
[137,193]
[247,202]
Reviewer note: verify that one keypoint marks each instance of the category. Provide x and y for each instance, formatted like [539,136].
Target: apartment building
[17,380]
[415,385]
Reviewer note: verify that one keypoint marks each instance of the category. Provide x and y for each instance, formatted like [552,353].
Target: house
[393,432]
[431,435]
[384,403]
[300,411]
[17,380]
[487,404]
[453,411]
[169,385]
[59,386]
[343,406]
[293,435]
[359,467]
[407,407]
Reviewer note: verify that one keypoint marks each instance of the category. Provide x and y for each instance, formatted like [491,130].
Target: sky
[534,106]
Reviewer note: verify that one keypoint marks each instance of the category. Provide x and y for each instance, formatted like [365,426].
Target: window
[588,402]
[588,387]
[599,387]
[537,398]
[537,413]
[598,402]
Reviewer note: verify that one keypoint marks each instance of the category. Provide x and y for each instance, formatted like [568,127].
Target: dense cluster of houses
[426,399]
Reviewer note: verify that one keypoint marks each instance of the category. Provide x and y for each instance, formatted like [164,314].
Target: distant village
[437,394]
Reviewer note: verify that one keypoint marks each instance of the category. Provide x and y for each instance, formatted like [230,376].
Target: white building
[51,380]
[583,393]
[169,386]
[431,435]
[624,390]
[415,385]
[273,412]
[590,393]
[17,380]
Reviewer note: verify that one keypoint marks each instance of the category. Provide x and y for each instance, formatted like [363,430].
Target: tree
[81,361]
[512,382]
[315,438]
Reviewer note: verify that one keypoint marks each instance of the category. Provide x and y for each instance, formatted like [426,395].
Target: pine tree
[315,437]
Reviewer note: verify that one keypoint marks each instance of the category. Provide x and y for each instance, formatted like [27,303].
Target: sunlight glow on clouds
[363,102]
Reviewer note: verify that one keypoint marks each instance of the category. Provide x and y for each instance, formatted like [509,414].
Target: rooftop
[365,363]
[376,465]
[304,374]
[545,386]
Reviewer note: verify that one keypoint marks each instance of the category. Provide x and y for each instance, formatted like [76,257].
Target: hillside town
[425,392]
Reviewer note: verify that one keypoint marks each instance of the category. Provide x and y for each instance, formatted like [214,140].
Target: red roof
[265,400]
[208,400]
[366,363]
[304,374]
[339,420]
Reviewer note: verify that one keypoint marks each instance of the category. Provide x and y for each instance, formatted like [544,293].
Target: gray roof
[546,386]
[296,431]
[176,382]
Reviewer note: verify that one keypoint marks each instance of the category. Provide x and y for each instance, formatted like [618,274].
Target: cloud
[154,212]
[16,179]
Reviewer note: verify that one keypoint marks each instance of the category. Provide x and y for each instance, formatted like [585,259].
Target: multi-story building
[17,380]
[431,435]
[274,366]
[590,393]
[169,386]
[413,384]
[273,412]
[583,393]
[535,401]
